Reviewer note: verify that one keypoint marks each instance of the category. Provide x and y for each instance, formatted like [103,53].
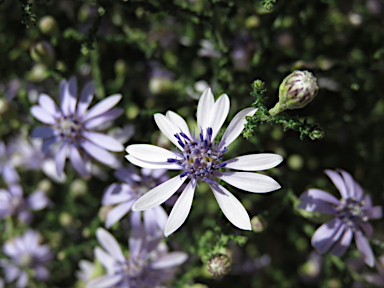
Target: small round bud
[48,26]
[160,85]
[219,265]
[120,67]
[104,211]
[296,91]
[258,224]
[78,187]
[42,52]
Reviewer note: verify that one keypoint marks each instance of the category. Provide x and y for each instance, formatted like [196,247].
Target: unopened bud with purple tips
[296,91]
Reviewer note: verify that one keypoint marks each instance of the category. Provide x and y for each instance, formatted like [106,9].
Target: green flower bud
[120,67]
[160,85]
[219,265]
[258,224]
[296,91]
[42,52]
[48,26]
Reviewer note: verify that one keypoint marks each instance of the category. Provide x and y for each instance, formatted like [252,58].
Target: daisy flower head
[351,215]
[200,159]
[71,128]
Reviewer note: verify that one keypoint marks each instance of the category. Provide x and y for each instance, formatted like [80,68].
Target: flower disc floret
[352,212]
[200,157]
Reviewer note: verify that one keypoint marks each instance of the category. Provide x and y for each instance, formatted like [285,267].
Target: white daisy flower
[200,160]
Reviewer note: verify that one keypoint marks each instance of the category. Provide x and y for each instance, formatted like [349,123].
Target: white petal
[168,128]
[232,208]
[204,109]
[153,165]
[338,181]
[236,126]
[43,116]
[181,209]
[254,162]
[179,121]
[104,141]
[169,260]
[159,194]
[219,114]
[110,244]
[150,153]
[105,281]
[251,182]
[103,106]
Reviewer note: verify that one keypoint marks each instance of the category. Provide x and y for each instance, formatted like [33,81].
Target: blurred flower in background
[7,169]
[125,194]
[12,202]
[29,155]
[25,253]
[352,213]
[149,263]
[72,127]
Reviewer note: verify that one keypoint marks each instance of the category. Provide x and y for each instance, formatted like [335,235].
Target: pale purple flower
[149,263]
[28,155]
[352,213]
[123,195]
[71,128]
[25,253]
[7,169]
[200,160]
[12,202]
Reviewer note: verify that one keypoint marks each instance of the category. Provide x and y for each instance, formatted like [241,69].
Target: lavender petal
[104,141]
[364,248]
[43,132]
[342,245]
[102,107]
[327,234]
[99,153]
[85,98]
[78,162]
[117,213]
[103,118]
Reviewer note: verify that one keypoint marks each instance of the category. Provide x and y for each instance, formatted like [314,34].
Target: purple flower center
[200,157]
[352,211]
[70,127]
[133,272]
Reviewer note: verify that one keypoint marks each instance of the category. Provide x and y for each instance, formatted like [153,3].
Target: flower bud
[296,91]
[219,265]
[43,53]
[258,224]
[120,67]
[160,85]
[48,26]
